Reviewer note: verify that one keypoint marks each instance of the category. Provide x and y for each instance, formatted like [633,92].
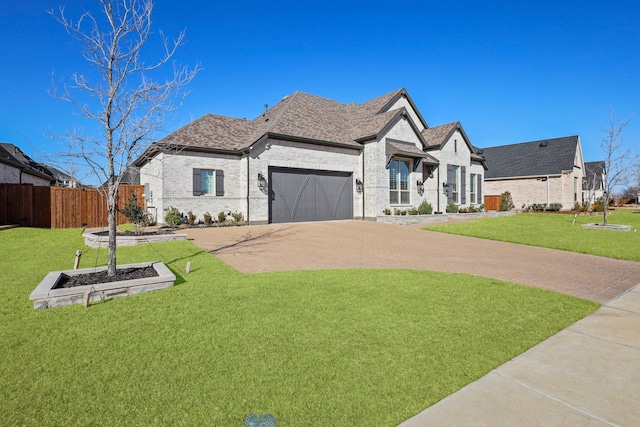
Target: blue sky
[509,71]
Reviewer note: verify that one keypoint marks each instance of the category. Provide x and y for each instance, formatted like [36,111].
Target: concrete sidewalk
[586,375]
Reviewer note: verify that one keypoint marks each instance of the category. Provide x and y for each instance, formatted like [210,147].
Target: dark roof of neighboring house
[593,174]
[12,155]
[298,117]
[535,158]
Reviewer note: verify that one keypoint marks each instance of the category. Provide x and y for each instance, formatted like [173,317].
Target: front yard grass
[335,347]
[551,230]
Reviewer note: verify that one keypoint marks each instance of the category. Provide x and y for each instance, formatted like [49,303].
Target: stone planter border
[44,296]
[93,240]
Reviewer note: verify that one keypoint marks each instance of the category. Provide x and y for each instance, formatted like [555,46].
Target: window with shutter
[219,182]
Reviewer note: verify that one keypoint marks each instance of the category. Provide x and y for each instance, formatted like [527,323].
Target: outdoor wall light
[359,186]
[445,188]
[420,185]
[262,181]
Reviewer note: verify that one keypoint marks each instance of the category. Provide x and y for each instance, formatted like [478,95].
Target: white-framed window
[473,188]
[399,192]
[455,183]
[206,181]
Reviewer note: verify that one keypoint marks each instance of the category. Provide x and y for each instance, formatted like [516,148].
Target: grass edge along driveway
[555,231]
[332,347]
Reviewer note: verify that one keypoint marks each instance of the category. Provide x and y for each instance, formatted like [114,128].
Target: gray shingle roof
[12,155]
[300,116]
[535,158]
[437,135]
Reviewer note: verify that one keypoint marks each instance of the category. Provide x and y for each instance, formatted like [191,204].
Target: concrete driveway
[364,244]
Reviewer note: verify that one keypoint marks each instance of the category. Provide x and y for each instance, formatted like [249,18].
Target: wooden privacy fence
[25,204]
[60,207]
[492,203]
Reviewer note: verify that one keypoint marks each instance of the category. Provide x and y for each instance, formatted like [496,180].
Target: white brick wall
[11,175]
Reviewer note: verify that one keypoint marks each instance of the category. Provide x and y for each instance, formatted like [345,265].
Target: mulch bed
[67,281]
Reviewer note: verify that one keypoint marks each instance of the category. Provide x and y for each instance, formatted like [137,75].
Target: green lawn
[334,348]
[555,231]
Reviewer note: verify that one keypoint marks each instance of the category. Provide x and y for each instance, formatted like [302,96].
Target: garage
[297,195]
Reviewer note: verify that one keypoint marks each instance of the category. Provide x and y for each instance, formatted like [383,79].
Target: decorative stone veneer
[95,241]
[44,296]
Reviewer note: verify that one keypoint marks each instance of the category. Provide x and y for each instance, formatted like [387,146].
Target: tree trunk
[111,219]
[606,204]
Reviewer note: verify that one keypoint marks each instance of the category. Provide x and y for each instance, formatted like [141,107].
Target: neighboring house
[593,182]
[538,172]
[18,168]
[63,179]
[310,158]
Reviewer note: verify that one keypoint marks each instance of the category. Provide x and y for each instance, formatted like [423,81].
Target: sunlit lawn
[551,230]
[326,348]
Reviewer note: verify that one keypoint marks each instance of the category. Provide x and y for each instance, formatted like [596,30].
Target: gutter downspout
[438,190]
[248,175]
[363,184]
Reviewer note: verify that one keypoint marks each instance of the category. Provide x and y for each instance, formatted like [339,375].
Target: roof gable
[536,158]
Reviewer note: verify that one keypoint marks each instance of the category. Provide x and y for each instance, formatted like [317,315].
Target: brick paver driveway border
[364,244]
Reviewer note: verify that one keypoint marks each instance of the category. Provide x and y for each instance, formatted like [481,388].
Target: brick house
[18,168]
[537,172]
[310,158]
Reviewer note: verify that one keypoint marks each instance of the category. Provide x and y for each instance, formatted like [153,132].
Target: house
[310,158]
[18,168]
[593,181]
[537,172]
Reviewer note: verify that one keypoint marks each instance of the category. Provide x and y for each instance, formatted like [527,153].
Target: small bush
[237,217]
[413,211]
[506,202]
[554,207]
[222,217]
[425,208]
[173,218]
[452,207]
[207,218]
[136,214]
[387,211]
[538,207]
[598,206]
[472,209]
[463,210]
[191,218]
[481,208]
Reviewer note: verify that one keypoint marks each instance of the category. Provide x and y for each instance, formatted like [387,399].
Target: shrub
[472,209]
[598,206]
[135,213]
[237,217]
[425,208]
[413,211]
[538,207]
[452,207]
[387,211]
[403,212]
[481,208]
[506,202]
[191,218]
[222,217]
[554,207]
[173,218]
[207,218]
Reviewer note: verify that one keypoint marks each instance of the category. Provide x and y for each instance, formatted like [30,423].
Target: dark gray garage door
[309,195]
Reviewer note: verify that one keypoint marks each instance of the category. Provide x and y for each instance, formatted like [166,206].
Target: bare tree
[119,94]
[618,158]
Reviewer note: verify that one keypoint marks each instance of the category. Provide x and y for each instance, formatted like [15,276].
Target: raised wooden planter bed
[46,296]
